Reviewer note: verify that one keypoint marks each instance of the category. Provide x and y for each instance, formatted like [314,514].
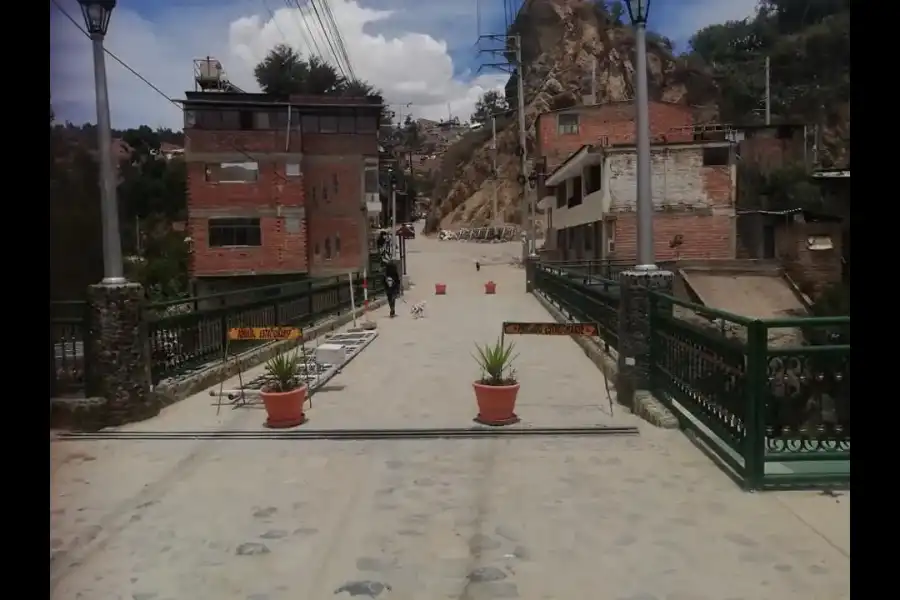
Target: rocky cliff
[563,43]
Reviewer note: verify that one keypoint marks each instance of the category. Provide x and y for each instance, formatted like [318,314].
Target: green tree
[491,102]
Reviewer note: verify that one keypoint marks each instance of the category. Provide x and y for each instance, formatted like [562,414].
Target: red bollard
[440,289]
[490,288]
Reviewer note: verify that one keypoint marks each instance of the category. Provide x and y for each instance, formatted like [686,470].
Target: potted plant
[286,391]
[497,389]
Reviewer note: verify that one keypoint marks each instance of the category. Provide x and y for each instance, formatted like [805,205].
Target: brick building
[589,192]
[278,190]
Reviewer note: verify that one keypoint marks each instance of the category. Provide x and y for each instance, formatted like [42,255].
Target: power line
[340,38]
[311,43]
[274,20]
[328,38]
[128,67]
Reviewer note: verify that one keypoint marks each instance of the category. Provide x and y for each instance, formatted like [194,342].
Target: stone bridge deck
[618,518]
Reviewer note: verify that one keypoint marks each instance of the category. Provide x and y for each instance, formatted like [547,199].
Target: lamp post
[638,11]
[96,19]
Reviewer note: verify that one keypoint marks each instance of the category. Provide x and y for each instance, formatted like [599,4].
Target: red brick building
[277,190]
[589,192]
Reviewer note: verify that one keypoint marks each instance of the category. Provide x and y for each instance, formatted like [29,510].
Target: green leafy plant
[284,372]
[495,361]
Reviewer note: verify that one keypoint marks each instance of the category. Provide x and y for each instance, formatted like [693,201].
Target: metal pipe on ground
[348,434]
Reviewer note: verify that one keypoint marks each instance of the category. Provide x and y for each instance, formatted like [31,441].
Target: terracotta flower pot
[440,289]
[496,403]
[285,409]
[490,287]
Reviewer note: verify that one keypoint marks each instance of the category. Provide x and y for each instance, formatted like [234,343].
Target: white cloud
[407,67]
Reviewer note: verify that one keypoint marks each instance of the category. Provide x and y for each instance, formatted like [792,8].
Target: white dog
[417,310]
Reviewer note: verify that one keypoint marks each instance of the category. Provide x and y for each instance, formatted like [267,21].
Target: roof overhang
[573,166]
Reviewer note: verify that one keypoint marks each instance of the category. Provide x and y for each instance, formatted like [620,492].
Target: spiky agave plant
[495,361]
[283,370]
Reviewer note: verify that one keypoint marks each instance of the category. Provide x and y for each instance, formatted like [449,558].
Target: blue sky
[419,51]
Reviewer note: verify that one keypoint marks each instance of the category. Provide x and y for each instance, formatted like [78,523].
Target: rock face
[563,43]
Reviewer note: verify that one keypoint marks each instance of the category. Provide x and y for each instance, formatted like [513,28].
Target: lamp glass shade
[638,11]
[96,15]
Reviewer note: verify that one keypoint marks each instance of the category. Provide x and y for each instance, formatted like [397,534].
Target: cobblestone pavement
[637,518]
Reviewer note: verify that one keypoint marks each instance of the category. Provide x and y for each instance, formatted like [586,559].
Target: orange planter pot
[496,403]
[285,409]
[440,289]
[490,288]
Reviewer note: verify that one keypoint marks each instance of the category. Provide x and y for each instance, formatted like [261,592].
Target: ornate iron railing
[582,298]
[770,399]
[68,332]
[805,417]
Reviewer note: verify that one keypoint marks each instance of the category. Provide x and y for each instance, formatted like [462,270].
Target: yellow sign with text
[264,333]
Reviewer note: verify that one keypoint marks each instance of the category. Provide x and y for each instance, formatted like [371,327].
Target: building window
[247,118]
[234,232]
[217,119]
[575,198]
[609,234]
[328,248]
[245,172]
[292,170]
[309,124]
[261,120]
[561,195]
[328,124]
[366,124]
[372,180]
[567,124]
[190,118]
[595,178]
[334,183]
[716,157]
[312,194]
[347,124]
[324,192]
[589,237]
[337,244]
[317,250]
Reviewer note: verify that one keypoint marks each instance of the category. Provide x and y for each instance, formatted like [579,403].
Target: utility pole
[516,66]
[494,210]
[768,92]
[394,241]
[520,82]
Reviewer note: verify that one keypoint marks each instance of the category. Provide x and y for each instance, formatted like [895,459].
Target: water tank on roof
[209,70]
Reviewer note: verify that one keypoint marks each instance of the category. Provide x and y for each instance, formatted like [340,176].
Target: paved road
[637,518]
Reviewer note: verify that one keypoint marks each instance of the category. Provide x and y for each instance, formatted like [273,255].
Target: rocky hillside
[561,40]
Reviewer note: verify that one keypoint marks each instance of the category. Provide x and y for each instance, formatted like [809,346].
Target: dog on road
[417,310]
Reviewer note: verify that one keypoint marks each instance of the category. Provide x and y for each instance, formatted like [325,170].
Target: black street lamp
[638,11]
[96,15]
[96,19]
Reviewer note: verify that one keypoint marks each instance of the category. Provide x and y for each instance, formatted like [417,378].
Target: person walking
[391,284]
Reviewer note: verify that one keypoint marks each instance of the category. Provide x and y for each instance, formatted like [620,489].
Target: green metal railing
[68,331]
[769,399]
[189,333]
[592,269]
[582,298]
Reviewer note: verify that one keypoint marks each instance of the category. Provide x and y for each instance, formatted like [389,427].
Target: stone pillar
[530,273]
[634,328]
[117,351]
